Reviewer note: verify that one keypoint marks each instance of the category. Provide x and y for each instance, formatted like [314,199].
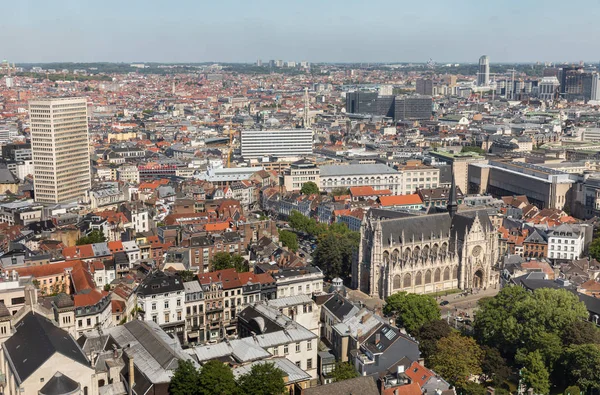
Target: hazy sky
[313,30]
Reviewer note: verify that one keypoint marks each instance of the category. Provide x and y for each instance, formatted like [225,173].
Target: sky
[299,30]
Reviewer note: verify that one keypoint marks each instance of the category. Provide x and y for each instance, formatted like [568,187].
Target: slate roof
[340,307]
[36,340]
[59,384]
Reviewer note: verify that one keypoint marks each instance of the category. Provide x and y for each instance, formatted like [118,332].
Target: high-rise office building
[361,102]
[279,143]
[483,76]
[424,86]
[414,107]
[60,148]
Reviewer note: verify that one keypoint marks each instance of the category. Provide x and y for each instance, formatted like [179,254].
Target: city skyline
[333,32]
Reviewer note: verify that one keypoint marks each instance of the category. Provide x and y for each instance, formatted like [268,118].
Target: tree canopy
[412,311]
[289,239]
[457,358]
[216,378]
[580,364]
[534,372]
[225,260]
[95,236]
[309,188]
[185,380]
[429,334]
[263,379]
[343,371]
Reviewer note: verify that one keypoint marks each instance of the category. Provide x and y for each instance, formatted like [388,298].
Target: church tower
[452,199]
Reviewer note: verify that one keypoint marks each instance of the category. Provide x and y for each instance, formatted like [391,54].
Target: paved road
[465,304]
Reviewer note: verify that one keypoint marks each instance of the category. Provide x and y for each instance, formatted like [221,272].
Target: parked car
[444,303]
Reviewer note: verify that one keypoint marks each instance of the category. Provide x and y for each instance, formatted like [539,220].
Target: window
[276,351]
[153,305]
[166,304]
[41,379]
[309,363]
[89,322]
[297,347]
[178,302]
[309,345]
[166,317]
[80,323]
[299,364]
[285,350]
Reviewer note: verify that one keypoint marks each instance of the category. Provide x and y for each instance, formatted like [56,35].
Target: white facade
[378,176]
[133,251]
[164,309]
[141,221]
[302,283]
[279,143]
[129,174]
[60,148]
[565,242]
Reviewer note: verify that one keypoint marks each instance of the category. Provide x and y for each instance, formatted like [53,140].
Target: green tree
[297,220]
[580,364]
[309,188]
[594,248]
[187,275]
[225,260]
[516,319]
[95,236]
[494,366]
[471,388]
[289,239]
[343,371]
[457,358]
[340,192]
[429,334]
[412,311]
[572,390]
[107,287]
[263,379]
[185,380]
[534,372]
[216,378]
[581,332]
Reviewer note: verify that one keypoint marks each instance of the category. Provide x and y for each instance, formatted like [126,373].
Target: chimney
[400,369]
[115,351]
[131,376]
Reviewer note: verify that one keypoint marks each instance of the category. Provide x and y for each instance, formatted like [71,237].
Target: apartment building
[60,148]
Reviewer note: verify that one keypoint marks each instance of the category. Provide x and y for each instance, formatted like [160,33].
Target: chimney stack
[131,376]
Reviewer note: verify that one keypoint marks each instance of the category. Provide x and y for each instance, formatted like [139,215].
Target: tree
[216,378]
[594,248]
[107,287]
[494,367]
[225,260]
[429,334]
[516,319]
[263,379]
[309,188]
[340,192]
[297,221]
[95,236]
[457,358]
[289,239]
[581,332]
[187,275]
[580,364]
[185,380]
[412,311]
[534,372]
[343,371]
[472,388]
[572,390]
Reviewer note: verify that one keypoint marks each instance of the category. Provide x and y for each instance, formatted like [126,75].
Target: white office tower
[483,76]
[280,143]
[60,149]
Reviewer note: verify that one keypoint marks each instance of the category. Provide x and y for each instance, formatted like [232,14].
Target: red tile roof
[400,200]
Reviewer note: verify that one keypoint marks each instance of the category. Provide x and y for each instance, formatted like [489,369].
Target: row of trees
[541,336]
[216,378]
[336,244]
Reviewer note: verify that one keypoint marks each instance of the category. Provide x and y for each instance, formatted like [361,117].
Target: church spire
[452,199]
